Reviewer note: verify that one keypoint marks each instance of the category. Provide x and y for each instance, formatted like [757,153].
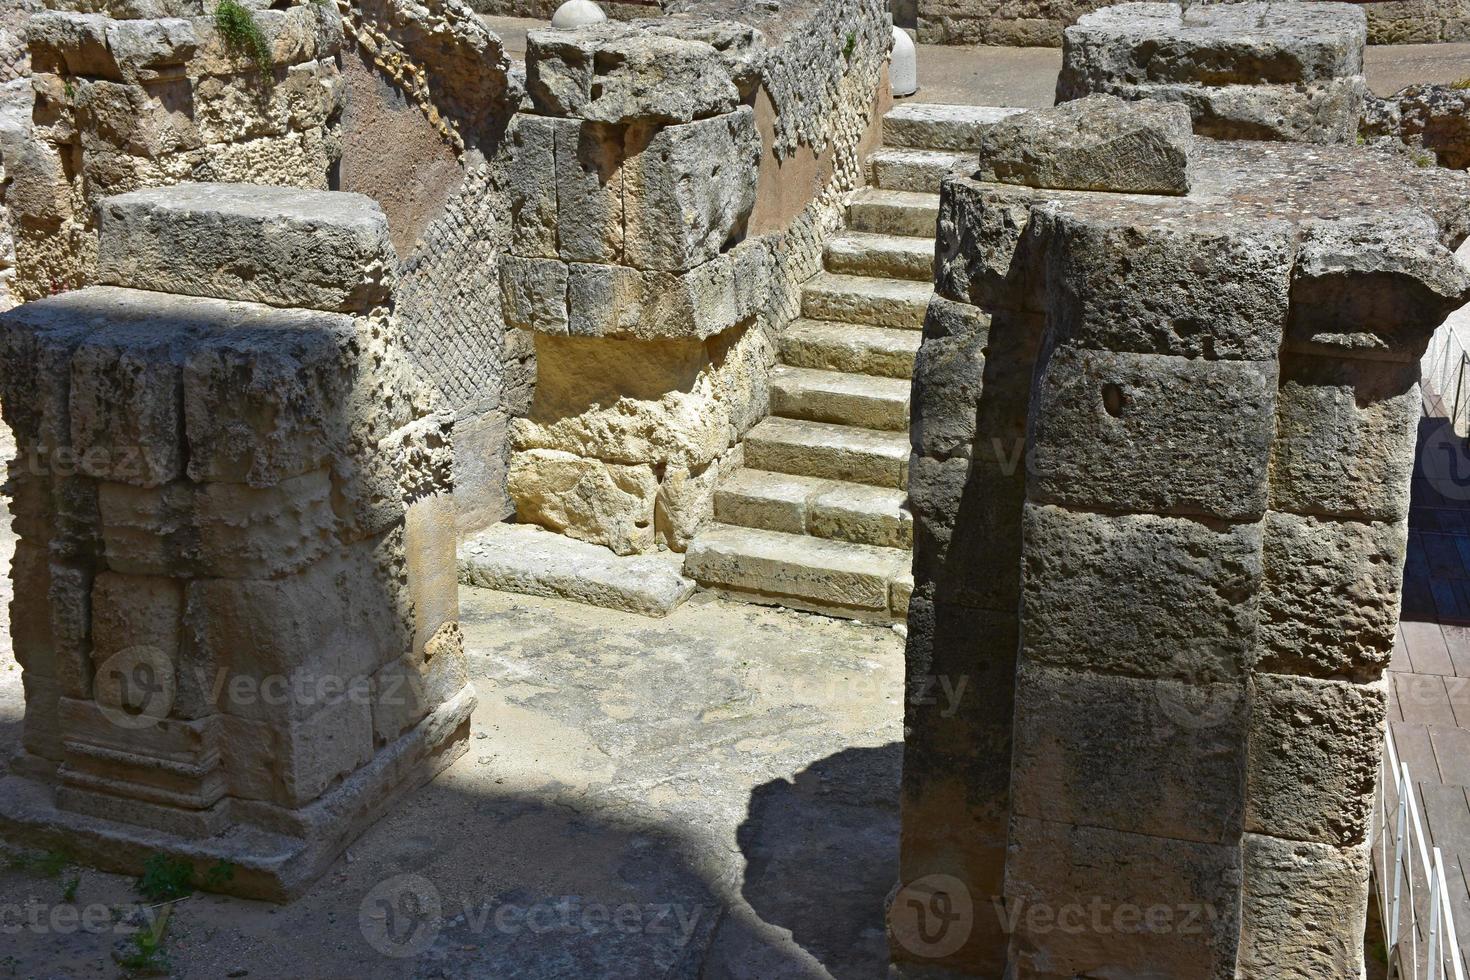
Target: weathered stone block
[1140,594]
[534,293]
[948,377]
[1091,901]
[290,762]
[988,253]
[1330,599]
[1179,747]
[589,192]
[1198,286]
[131,612]
[407,690]
[1315,751]
[126,402]
[615,73]
[1374,286]
[1345,437]
[587,499]
[40,732]
[688,189]
[1303,909]
[274,245]
[531,177]
[616,301]
[1096,143]
[69,598]
[1145,433]
[967,530]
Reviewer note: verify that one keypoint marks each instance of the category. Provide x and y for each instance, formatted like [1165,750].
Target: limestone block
[374,488]
[1345,437]
[1145,433]
[590,179]
[40,733]
[218,530]
[1247,44]
[292,761]
[1140,594]
[309,96]
[1199,286]
[407,690]
[948,377]
[129,613]
[531,177]
[688,189]
[626,402]
[587,499]
[1315,750]
[170,763]
[30,613]
[304,32]
[254,415]
[430,537]
[277,651]
[60,511]
[126,402]
[1096,143]
[614,73]
[1316,112]
[92,45]
[1178,747]
[69,598]
[149,122]
[616,301]
[743,49]
[967,530]
[178,822]
[1302,910]
[1330,598]
[988,254]
[686,503]
[1374,286]
[1102,902]
[37,341]
[274,245]
[534,293]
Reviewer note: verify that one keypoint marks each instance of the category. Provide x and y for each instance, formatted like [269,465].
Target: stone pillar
[1274,71]
[236,603]
[632,180]
[124,103]
[1217,390]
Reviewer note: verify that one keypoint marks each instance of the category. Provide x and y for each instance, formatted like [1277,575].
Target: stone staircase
[818,518]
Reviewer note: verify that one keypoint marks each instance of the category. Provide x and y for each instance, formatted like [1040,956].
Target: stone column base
[276,853]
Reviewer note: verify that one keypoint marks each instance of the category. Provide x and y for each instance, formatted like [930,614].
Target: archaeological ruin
[625,489]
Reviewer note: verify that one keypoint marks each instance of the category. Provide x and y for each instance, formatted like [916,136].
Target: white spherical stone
[903,70]
[577,13]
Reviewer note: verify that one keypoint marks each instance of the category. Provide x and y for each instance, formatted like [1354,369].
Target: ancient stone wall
[654,337]
[1160,488]
[237,612]
[1040,23]
[432,82]
[543,9]
[124,102]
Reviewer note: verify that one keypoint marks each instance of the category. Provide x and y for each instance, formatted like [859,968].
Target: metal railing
[1411,883]
[1445,369]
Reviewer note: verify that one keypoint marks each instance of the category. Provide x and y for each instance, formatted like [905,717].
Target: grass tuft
[242,35]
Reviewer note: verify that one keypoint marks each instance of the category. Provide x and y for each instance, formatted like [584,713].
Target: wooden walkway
[1429,708]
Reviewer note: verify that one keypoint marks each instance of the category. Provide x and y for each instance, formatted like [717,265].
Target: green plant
[147,957]
[166,878]
[242,35]
[1422,159]
[220,873]
[47,864]
[69,890]
[851,45]
[1463,83]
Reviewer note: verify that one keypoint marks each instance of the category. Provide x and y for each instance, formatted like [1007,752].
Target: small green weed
[242,35]
[166,878]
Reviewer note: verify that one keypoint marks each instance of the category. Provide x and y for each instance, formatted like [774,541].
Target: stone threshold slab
[530,560]
[270,866]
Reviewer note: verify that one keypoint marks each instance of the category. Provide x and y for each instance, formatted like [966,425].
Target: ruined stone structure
[1162,455]
[125,102]
[236,594]
[1042,22]
[1275,71]
[1431,123]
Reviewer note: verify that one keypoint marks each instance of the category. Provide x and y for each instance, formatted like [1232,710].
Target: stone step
[883,212]
[928,126]
[861,253]
[863,299]
[803,572]
[822,508]
[836,396]
[851,347]
[829,451]
[898,169]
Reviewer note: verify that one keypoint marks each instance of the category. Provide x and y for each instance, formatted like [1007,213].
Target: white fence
[1414,900]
